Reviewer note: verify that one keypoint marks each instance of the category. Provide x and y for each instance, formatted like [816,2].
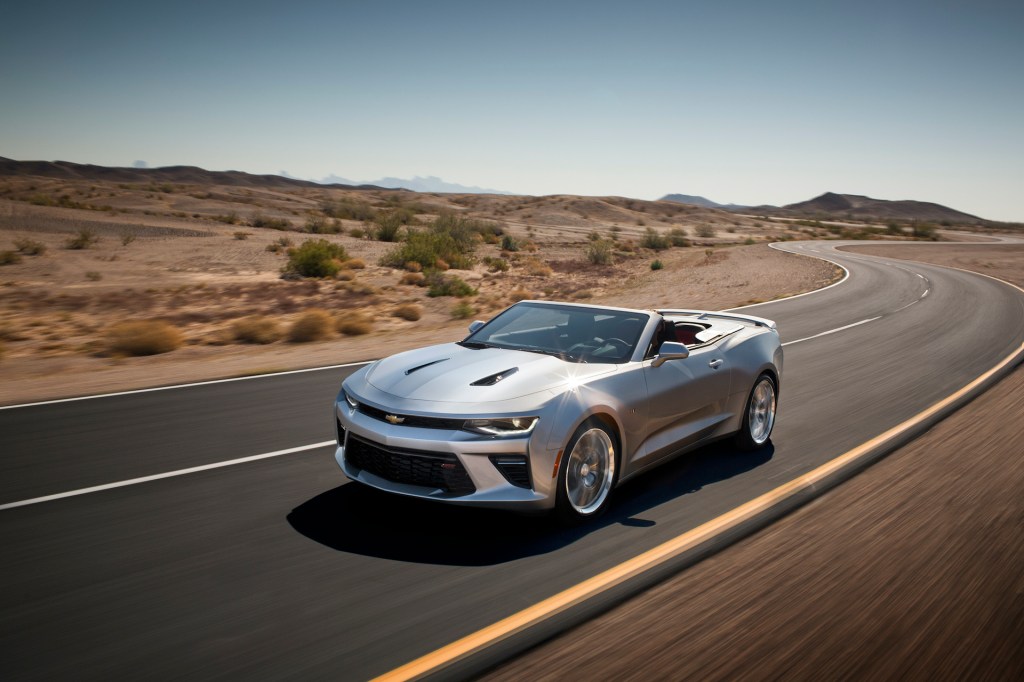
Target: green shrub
[256,329]
[749,241]
[261,220]
[653,240]
[318,224]
[705,231]
[313,325]
[924,231]
[599,252]
[315,258]
[84,239]
[463,310]
[30,247]
[496,264]
[143,337]
[9,257]
[677,236]
[657,265]
[228,218]
[427,248]
[441,285]
[389,223]
[242,236]
[508,243]
[349,209]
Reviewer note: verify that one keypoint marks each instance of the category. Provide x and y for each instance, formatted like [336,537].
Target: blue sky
[746,102]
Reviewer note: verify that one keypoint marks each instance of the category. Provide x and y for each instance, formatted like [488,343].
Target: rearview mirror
[476,324]
[670,350]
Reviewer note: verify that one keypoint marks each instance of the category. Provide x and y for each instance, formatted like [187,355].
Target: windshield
[575,334]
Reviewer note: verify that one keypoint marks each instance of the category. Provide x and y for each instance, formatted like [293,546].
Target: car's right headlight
[506,427]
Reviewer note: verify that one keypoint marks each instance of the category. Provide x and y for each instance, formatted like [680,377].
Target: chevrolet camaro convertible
[552,405]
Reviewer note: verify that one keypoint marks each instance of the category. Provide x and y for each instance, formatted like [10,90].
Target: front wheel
[587,473]
[759,416]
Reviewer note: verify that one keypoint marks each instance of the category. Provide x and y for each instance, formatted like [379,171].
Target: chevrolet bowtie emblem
[394,418]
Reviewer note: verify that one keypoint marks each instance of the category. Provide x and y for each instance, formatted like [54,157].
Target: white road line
[832,331]
[197,383]
[156,477]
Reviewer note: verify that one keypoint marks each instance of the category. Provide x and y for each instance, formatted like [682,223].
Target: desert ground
[910,570]
[83,257]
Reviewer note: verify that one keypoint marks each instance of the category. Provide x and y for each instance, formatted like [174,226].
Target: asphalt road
[279,568]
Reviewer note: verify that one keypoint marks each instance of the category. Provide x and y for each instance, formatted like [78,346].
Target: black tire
[587,474]
[758,414]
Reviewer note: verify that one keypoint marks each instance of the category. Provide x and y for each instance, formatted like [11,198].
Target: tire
[587,473]
[758,415]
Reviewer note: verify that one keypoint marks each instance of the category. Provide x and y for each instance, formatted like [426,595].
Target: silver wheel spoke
[590,471]
[761,416]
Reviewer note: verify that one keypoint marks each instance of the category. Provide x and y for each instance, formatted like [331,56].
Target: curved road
[279,568]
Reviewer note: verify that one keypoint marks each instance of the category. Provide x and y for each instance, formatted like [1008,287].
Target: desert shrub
[388,225]
[350,209]
[520,294]
[924,231]
[260,220]
[415,278]
[749,241]
[315,258]
[408,311]
[508,243]
[354,323]
[427,248]
[677,236]
[496,264]
[242,236]
[9,257]
[594,235]
[354,264]
[465,231]
[127,239]
[705,231]
[143,337]
[413,266]
[894,228]
[357,232]
[462,310]
[93,276]
[537,267]
[84,239]
[228,218]
[653,240]
[312,325]
[318,224]
[256,329]
[599,252]
[345,275]
[657,265]
[442,285]
[30,247]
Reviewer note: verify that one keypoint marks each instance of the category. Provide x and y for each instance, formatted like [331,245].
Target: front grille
[515,469]
[412,420]
[414,467]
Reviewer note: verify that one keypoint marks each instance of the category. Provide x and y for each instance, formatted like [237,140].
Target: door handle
[715,364]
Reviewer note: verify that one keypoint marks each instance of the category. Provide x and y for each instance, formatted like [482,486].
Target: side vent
[419,367]
[495,378]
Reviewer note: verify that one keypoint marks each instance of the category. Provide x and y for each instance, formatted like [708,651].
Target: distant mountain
[698,201]
[832,205]
[178,174]
[430,183]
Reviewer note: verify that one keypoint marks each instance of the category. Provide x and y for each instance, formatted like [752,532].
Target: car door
[686,400]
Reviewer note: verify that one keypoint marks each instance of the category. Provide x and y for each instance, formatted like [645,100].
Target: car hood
[454,374]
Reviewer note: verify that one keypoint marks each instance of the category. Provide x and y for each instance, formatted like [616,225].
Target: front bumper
[473,454]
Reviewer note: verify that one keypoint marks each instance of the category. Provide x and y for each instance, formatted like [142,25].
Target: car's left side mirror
[670,350]
[476,324]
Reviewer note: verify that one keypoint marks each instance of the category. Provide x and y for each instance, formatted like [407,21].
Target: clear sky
[739,101]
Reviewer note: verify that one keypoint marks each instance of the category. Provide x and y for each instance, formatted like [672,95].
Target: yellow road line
[541,611]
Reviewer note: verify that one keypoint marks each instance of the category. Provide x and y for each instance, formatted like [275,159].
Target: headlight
[513,426]
[351,402]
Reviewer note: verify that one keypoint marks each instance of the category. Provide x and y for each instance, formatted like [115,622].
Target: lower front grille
[414,467]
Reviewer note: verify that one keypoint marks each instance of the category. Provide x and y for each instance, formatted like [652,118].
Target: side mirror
[476,324]
[670,350]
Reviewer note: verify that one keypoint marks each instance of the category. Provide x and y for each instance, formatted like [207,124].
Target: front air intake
[515,469]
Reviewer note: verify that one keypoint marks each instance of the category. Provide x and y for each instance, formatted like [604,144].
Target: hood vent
[419,367]
[495,378]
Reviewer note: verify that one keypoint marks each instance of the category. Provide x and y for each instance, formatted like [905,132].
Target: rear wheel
[759,415]
[587,473]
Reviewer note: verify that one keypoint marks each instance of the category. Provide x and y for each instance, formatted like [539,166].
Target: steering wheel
[621,346]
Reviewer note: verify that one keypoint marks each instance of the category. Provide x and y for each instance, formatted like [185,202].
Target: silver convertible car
[552,405]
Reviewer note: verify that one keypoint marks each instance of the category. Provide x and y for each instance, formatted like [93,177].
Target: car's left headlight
[352,402]
[506,427]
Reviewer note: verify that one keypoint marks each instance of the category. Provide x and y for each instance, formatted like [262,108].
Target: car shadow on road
[357,519]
